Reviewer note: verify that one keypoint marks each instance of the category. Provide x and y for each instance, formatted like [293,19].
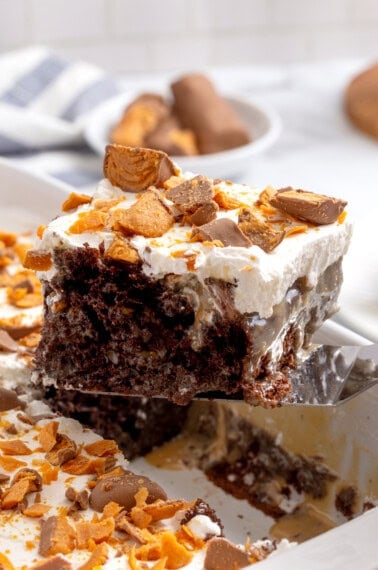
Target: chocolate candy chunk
[54,563]
[260,233]
[57,536]
[223,230]
[140,118]
[7,344]
[135,169]
[9,400]
[172,139]
[223,555]
[32,476]
[191,194]
[214,122]
[122,489]
[204,214]
[80,499]
[64,450]
[315,208]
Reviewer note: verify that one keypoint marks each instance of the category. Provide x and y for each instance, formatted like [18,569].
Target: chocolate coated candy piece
[223,230]
[140,118]
[171,138]
[191,193]
[214,122]
[259,232]
[223,555]
[57,536]
[315,208]
[122,489]
[9,400]
[135,169]
[204,214]
[7,343]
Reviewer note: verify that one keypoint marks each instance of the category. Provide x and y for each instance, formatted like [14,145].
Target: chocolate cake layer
[111,328]
[136,424]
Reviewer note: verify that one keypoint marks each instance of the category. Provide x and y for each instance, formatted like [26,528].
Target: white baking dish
[347,436]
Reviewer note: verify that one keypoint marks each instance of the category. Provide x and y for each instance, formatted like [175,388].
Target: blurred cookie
[361,101]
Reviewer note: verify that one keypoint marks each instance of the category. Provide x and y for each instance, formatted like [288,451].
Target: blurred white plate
[28,200]
[263,123]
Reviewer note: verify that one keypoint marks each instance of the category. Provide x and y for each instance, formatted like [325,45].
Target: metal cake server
[327,376]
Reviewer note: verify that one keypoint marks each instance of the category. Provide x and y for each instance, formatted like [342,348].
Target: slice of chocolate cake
[168,284]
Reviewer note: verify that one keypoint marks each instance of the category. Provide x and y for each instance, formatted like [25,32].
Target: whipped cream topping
[20,531]
[261,279]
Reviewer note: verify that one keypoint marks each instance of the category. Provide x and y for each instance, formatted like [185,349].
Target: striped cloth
[44,102]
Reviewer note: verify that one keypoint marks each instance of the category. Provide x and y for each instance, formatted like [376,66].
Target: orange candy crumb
[14,447]
[37,260]
[88,222]
[74,200]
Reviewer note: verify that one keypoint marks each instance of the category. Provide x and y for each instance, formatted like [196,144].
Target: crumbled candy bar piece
[57,536]
[7,343]
[97,559]
[226,202]
[74,200]
[54,563]
[37,260]
[223,555]
[148,216]
[102,448]
[14,447]
[308,206]
[124,524]
[80,499]
[96,531]
[222,230]
[30,475]
[9,400]
[266,195]
[15,494]
[36,511]
[121,250]
[122,490]
[47,436]
[91,221]
[176,554]
[260,233]
[64,450]
[135,169]
[191,194]
[204,214]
